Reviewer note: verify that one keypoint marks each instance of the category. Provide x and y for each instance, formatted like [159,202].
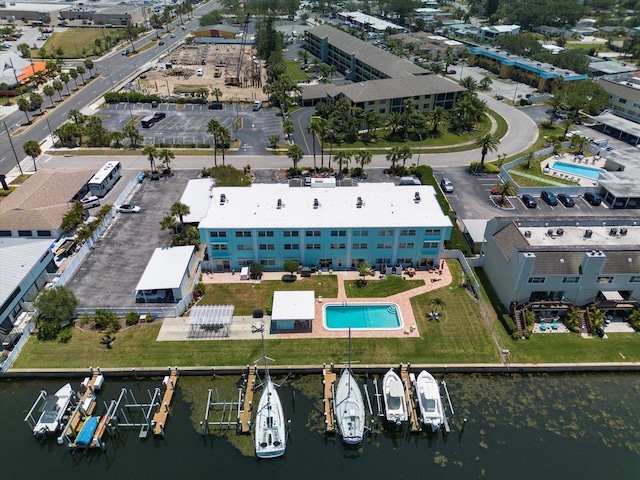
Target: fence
[16,349]
[466,268]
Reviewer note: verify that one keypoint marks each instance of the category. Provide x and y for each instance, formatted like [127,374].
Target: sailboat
[429,400]
[348,406]
[395,402]
[55,406]
[270,429]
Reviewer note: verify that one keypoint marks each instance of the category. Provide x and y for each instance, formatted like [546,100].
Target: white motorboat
[395,402]
[430,401]
[270,428]
[348,406]
[53,409]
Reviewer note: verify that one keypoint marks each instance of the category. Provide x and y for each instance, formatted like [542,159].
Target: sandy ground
[211,59]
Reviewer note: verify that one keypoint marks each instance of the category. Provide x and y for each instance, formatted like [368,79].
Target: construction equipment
[234,80]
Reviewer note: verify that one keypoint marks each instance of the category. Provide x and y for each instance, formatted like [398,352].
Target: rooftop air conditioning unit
[550,232]
[613,232]
[560,232]
[527,233]
[316,204]
[416,197]
[623,231]
[588,233]
[359,202]
[223,199]
[279,204]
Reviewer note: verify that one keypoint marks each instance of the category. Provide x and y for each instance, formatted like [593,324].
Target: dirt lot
[223,59]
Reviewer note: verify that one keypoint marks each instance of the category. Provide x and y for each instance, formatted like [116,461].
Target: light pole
[514,94]
[420,149]
[13,148]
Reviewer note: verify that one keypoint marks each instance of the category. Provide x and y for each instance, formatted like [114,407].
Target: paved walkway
[177,329]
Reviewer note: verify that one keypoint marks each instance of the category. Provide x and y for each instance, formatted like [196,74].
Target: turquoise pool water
[372,316]
[581,171]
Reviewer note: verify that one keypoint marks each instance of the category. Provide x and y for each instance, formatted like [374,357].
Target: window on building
[360,233]
[312,246]
[337,246]
[634,279]
[371,102]
[360,246]
[385,233]
[291,233]
[383,261]
[291,246]
[406,245]
[43,233]
[409,232]
[244,247]
[405,261]
[243,234]
[537,279]
[604,280]
[429,245]
[570,279]
[430,232]
[338,233]
[5,233]
[622,100]
[265,233]
[267,246]
[245,262]
[383,245]
[312,233]
[219,246]
[382,111]
[268,262]
[24,233]
[217,234]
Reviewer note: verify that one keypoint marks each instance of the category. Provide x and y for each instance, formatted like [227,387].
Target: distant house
[15,70]
[489,34]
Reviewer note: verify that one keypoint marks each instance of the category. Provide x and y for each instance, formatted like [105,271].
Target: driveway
[110,272]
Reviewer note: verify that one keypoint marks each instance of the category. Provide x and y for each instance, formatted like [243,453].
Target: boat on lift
[53,409]
[348,406]
[430,401]
[395,402]
[270,428]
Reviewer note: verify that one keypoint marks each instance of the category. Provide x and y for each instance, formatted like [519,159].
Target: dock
[244,416]
[405,375]
[160,417]
[329,378]
[87,402]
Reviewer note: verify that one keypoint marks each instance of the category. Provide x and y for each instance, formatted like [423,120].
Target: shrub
[268,308]
[48,329]
[508,323]
[131,318]
[256,270]
[104,319]
[199,289]
[634,319]
[65,335]
[149,318]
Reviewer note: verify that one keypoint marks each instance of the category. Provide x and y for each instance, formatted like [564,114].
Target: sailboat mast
[264,355]
[349,364]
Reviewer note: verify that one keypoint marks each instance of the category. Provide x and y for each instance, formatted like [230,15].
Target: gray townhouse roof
[381,60]
[396,88]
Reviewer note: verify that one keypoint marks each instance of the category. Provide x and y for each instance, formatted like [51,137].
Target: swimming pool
[370,316]
[581,171]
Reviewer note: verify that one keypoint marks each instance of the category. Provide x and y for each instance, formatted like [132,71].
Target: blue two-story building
[329,228]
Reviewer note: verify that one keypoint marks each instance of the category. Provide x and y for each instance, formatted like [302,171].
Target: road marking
[3,159]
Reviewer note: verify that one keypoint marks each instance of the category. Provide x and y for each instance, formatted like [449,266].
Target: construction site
[233,69]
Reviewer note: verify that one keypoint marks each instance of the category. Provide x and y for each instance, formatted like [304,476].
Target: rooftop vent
[223,199]
[359,202]
[316,204]
[527,233]
[588,233]
[279,203]
[550,232]
[623,231]
[416,197]
[613,232]
[560,232]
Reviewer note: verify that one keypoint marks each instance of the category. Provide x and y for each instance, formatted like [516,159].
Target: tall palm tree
[341,157]
[318,127]
[49,91]
[393,156]
[151,152]
[528,157]
[288,128]
[169,223]
[404,154]
[394,123]
[371,120]
[212,129]
[435,118]
[470,83]
[179,209]
[363,157]
[295,153]
[487,143]
[225,137]
[216,92]
[166,156]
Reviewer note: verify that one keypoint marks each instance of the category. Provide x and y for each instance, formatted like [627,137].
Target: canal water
[519,426]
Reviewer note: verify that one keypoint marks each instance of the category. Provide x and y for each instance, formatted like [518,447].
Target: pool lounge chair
[543,326]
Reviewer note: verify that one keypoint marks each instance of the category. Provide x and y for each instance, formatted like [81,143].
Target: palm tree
[393,156]
[64,77]
[216,92]
[371,119]
[528,157]
[73,73]
[288,128]
[170,223]
[81,70]
[318,127]
[32,148]
[469,83]
[435,117]
[437,303]
[363,157]
[166,156]
[404,154]
[49,91]
[341,157]
[24,106]
[212,128]
[151,152]
[57,86]
[394,123]
[88,63]
[579,142]
[506,189]
[224,136]
[488,143]
[179,209]
[273,141]
[295,153]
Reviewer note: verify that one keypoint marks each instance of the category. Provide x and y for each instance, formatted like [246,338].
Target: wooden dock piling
[328,379]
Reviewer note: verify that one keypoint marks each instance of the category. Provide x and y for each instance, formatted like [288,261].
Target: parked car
[173,35]
[549,198]
[446,185]
[160,42]
[154,104]
[257,105]
[566,200]
[128,208]
[499,97]
[529,201]
[593,198]
[146,296]
[216,106]
[451,72]
[90,201]
[9,341]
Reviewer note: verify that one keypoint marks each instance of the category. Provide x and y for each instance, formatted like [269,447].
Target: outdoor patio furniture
[543,326]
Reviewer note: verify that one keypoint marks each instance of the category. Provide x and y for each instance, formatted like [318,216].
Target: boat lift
[133,414]
[39,406]
[226,410]
[447,428]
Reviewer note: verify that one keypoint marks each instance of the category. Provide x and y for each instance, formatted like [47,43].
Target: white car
[128,208]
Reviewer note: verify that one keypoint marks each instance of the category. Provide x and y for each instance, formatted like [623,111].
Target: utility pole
[13,148]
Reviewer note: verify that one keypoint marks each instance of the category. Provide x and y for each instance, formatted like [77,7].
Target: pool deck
[177,329]
[579,160]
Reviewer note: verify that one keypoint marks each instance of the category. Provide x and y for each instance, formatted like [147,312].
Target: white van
[257,105]
[200,72]
[90,202]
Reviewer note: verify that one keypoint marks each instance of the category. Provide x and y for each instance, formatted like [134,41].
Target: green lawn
[250,296]
[294,72]
[380,288]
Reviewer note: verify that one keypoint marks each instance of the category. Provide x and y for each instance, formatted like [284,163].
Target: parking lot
[187,124]
[109,274]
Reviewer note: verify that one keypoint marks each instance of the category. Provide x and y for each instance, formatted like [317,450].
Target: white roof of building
[374,22]
[383,205]
[11,65]
[192,196]
[17,257]
[501,28]
[166,268]
[34,7]
[293,305]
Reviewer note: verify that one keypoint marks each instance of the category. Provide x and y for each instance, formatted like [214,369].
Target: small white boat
[270,428]
[54,408]
[348,406]
[430,402]
[395,402]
